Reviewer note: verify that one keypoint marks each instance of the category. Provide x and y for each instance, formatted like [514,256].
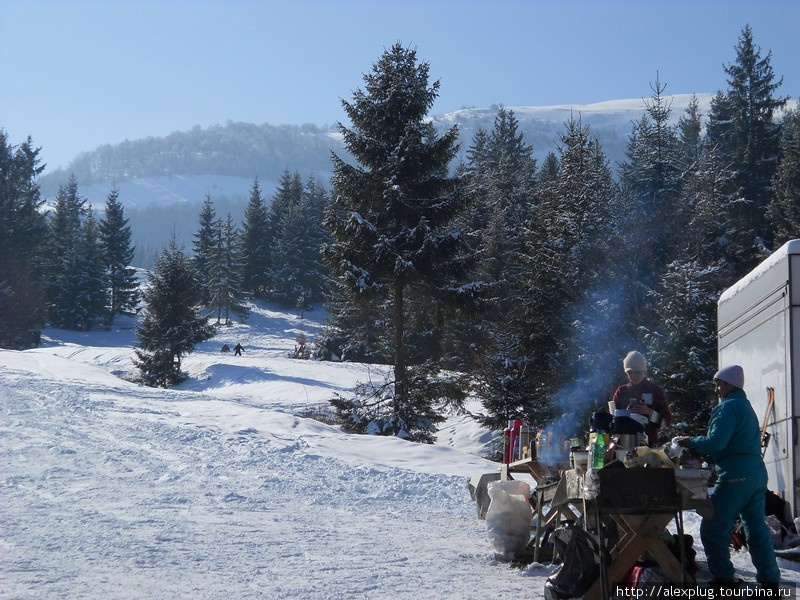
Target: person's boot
[771,587]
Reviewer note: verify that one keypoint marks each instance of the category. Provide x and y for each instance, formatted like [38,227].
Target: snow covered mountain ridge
[622,111]
[223,160]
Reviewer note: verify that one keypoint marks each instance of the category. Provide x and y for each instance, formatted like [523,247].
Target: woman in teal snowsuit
[734,442]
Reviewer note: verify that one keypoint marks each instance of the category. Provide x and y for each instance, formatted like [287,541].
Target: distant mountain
[163,170]
[223,160]
[163,181]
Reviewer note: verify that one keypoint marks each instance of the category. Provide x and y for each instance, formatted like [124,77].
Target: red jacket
[648,393]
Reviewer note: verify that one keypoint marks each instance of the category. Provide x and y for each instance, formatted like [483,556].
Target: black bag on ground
[779,508]
[580,563]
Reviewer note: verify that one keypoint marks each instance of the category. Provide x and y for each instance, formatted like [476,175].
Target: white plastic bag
[508,520]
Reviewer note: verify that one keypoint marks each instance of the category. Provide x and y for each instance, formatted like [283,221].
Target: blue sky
[76,74]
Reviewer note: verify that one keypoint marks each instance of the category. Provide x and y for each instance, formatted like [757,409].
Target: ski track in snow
[113,494]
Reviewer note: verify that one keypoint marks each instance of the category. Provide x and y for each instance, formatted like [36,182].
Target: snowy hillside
[221,489]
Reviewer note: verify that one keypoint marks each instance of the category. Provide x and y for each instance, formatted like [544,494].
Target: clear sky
[75,74]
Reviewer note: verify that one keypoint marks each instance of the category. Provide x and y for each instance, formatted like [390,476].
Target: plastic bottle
[524,441]
[599,450]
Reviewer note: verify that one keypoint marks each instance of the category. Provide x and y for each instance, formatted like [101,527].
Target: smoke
[597,349]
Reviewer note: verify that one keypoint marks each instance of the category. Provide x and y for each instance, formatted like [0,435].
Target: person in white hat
[733,440]
[643,397]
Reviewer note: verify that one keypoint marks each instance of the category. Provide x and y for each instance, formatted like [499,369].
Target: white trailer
[758,327]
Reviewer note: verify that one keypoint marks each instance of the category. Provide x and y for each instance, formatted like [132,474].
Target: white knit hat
[733,374]
[634,361]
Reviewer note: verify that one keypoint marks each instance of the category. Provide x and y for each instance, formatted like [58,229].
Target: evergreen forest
[518,282]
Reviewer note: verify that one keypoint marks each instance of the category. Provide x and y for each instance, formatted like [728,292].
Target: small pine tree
[172,323]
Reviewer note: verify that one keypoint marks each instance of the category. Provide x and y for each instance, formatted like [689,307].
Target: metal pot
[627,440]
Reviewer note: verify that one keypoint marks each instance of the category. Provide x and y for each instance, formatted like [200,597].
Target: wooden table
[639,528]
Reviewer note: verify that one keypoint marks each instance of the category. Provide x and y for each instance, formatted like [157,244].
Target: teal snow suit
[733,441]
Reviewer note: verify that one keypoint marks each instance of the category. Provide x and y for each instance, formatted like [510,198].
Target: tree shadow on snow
[220,376]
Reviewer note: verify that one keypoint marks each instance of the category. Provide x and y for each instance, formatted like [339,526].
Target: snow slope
[220,489]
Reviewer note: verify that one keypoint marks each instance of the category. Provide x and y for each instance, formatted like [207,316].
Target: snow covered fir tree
[517,282]
[393,248]
[172,323]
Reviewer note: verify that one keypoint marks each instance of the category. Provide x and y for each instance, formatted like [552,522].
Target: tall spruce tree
[22,245]
[92,303]
[500,179]
[391,241]
[742,123]
[172,323]
[255,245]
[205,240]
[64,264]
[224,280]
[313,270]
[711,200]
[282,211]
[507,182]
[690,134]
[284,225]
[651,178]
[117,252]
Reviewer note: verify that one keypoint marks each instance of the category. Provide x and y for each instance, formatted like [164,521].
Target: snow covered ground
[221,489]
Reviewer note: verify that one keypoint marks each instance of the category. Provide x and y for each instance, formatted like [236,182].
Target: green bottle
[599,450]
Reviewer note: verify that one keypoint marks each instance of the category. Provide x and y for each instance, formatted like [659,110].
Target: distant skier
[225,348]
[237,349]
